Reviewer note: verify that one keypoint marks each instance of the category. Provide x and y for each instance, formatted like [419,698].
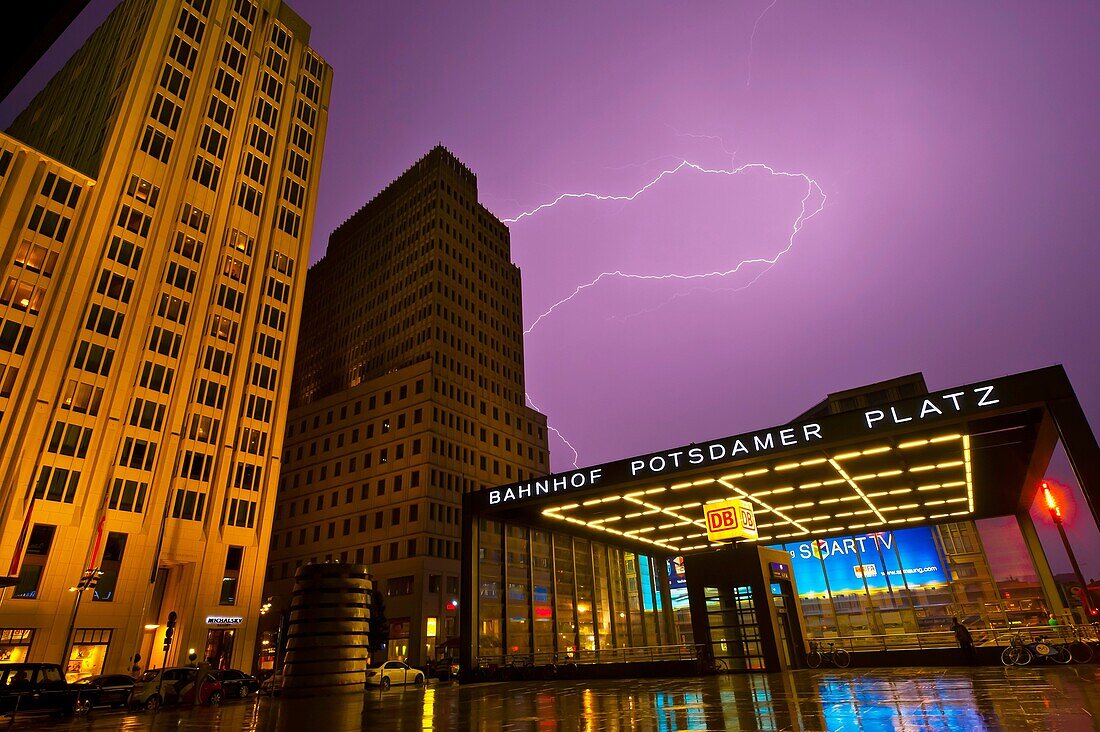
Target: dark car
[446,669]
[35,687]
[108,690]
[236,684]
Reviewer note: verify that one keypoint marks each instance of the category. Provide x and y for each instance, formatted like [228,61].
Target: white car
[394,672]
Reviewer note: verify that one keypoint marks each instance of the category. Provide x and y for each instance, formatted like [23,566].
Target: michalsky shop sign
[906,414]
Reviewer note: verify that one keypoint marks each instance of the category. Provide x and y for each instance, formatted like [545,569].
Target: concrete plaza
[988,698]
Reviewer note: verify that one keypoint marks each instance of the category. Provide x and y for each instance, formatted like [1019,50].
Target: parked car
[175,686]
[237,684]
[272,683]
[35,688]
[107,690]
[393,672]
[446,669]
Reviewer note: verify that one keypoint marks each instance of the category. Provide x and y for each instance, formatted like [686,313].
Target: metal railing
[633,654]
[1001,636]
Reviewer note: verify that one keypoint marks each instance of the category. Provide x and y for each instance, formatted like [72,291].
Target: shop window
[14,644]
[112,563]
[231,575]
[34,562]
[88,653]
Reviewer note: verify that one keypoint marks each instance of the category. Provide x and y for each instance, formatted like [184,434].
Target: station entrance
[881,515]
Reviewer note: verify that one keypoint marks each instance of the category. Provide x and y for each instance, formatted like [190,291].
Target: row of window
[41,540]
[388,397]
[439,548]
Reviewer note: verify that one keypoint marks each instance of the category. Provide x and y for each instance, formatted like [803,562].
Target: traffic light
[169,628]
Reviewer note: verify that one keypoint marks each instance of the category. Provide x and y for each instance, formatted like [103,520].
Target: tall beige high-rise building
[408,393]
[156,202]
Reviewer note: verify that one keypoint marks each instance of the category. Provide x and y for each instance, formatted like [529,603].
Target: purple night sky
[956,143]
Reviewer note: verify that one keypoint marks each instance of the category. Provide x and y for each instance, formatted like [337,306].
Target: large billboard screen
[879,561]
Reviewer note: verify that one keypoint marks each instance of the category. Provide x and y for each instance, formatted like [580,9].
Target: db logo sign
[732,519]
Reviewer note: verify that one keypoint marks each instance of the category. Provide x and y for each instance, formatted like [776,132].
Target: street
[986,698]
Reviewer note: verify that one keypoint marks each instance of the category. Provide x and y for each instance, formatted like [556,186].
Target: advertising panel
[866,562]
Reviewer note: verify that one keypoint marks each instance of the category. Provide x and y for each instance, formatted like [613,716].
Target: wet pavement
[1046,698]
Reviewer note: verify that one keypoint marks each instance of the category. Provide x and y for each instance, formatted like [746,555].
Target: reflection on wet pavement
[1061,698]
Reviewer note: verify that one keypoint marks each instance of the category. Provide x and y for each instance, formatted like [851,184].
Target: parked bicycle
[1081,649]
[709,664]
[1021,653]
[834,655]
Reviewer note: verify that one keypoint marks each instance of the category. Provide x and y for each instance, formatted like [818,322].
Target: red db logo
[722,520]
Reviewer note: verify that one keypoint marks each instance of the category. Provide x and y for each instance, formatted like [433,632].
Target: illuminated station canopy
[970,452]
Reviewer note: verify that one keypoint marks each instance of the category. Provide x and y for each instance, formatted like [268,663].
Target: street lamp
[280,634]
[87,581]
[1056,517]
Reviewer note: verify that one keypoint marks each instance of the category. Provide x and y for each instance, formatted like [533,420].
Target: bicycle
[836,656]
[1020,653]
[1016,653]
[708,664]
[1080,650]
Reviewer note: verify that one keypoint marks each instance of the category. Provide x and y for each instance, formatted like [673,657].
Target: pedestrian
[964,639]
[1053,621]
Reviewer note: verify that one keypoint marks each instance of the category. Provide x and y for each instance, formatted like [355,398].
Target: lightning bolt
[752,39]
[576,455]
[813,189]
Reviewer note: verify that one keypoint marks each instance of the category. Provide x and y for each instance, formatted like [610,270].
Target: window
[70,439]
[255,168]
[175,81]
[179,276]
[94,358]
[155,376]
[104,321]
[227,84]
[34,562]
[232,573]
[182,52]
[398,586]
[83,398]
[196,465]
[166,112]
[260,139]
[213,142]
[124,252]
[220,113]
[205,173]
[115,286]
[249,198]
[35,258]
[188,505]
[127,495]
[191,25]
[233,58]
[113,549]
[173,308]
[139,454]
[147,414]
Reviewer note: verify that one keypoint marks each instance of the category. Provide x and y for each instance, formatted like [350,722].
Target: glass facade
[544,596]
[916,580]
[734,632]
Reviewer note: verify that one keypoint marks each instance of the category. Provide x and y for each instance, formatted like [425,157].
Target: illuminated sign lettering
[726,449]
[932,406]
[730,519]
[908,414]
[224,620]
[546,486]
